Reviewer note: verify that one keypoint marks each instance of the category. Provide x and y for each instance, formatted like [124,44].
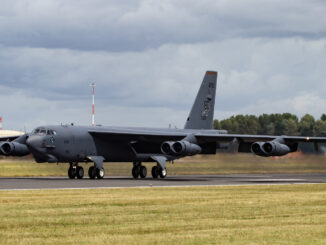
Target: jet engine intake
[13,149]
[274,148]
[166,147]
[185,148]
[257,148]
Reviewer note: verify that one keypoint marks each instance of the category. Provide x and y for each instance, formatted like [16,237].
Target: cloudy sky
[148,58]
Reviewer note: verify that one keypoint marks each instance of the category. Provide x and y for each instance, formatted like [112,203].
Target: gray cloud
[148,59]
[138,25]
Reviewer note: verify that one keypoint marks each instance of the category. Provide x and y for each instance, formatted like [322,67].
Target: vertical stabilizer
[202,111]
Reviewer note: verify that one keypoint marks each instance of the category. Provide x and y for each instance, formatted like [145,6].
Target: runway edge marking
[159,186]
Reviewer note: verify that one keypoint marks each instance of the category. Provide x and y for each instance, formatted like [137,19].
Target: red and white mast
[93,104]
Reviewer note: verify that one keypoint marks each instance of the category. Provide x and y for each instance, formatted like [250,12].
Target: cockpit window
[36,131]
[51,132]
[44,131]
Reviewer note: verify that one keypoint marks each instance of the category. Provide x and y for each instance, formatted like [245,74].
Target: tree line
[274,124]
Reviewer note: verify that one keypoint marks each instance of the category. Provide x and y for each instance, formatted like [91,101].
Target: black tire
[80,172]
[100,173]
[155,172]
[71,173]
[163,173]
[92,172]
[143,172]
[135,172]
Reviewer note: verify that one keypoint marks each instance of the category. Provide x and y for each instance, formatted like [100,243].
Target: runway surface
[23,183]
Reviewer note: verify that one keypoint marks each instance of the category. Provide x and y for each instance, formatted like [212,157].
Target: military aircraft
[98,144]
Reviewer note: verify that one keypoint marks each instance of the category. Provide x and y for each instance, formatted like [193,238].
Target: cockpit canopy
[44,131]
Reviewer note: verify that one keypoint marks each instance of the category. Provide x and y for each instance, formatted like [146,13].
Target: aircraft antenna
[93,104]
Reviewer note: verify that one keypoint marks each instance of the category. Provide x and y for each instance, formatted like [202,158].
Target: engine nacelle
[185,148]
[166,147]
[13,149]
[274,148]
[270,148]
[257,148]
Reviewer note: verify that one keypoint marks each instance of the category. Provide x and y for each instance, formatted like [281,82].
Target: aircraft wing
[138,134]
[8,138]
[245,142]
[206,137]
[254,138]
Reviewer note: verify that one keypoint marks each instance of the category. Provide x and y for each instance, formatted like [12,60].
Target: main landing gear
[158,171]
[75,171]
[139,170]
[78,171]
[94,172]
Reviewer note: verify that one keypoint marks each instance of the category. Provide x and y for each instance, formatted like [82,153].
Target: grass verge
[287,214]
[214,164]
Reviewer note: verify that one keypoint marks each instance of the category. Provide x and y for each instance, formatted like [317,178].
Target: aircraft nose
[34,142]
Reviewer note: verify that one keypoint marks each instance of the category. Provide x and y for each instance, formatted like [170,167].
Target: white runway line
[159,186]
[257,180]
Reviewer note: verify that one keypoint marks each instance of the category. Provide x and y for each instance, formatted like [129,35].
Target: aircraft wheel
[155,172]
[135,172]
[92,172]
[143,172]
[100,173]
[163,173]
[71,173]
[80,172]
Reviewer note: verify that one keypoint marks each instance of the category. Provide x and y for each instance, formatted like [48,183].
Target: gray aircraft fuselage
[74,143]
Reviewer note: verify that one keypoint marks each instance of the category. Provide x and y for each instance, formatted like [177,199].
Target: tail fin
[202,111]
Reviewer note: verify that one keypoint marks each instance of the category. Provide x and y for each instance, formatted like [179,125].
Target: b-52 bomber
[97,144]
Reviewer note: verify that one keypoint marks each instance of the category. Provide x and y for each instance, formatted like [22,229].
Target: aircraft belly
[116,152]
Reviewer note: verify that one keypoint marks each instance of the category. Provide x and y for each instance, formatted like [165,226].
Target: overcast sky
[148,59]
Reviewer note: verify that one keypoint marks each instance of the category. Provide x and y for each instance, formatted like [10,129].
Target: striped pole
[0,123]
[93,104]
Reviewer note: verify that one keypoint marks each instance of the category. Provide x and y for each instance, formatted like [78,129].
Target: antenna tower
[93,104]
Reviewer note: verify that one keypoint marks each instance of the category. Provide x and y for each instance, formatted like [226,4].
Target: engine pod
[185,148]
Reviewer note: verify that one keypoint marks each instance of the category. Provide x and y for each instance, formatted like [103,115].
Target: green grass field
[279,214]
[214,164]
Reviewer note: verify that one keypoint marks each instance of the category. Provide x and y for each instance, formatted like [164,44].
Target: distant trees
[274,124]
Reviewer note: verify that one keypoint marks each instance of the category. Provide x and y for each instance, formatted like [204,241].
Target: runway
[27,183]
